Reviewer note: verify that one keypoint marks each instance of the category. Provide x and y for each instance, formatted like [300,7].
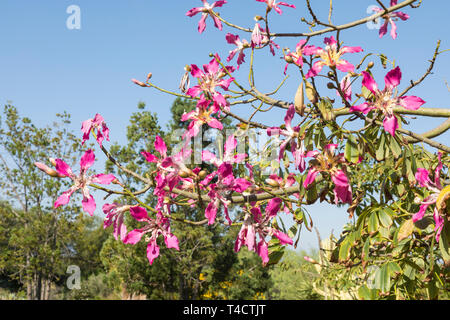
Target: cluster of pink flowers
[219,185]
[435,188]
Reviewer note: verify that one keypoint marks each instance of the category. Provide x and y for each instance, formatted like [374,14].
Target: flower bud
[370,65]
[202,174]
[139,83]
[330,85]
[272,183]
[289,59]
[185,173]
[258,18]
[47,170]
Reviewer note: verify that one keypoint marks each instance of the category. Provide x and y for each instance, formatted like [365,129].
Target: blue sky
[46,68]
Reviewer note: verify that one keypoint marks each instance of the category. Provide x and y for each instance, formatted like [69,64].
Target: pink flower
[297,56]
[385,100]
[273,4]
[257,224]
[331,57]
[257,37]
[435,187]
[240,46]
[209,79]
[328,161]
[221,190]
[206,10]
[155,227]
[389,19]
[168,168]
[114,216]
[199,116]
[346,87]
[97,123]
[82,181]
[292,135]
[228,156]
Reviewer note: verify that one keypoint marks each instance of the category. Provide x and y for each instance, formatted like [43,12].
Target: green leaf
[373,222]
[351,149]
[381,148]
[384,218]
[405,230]
[395,147]
[344,250]
[383,279]
[444,242]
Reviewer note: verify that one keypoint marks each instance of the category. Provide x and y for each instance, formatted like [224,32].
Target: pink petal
[390,124]
[316,68]
[411,102]
[202,23]
[139,213]
[152,251]
[87,160]
[393,78]
[284,238]
[160,146]
[345,66]
[369,83]
[346,49]
[103,178]
[340,179]
[419,215]
[289,116]
[263,251]
[63,199]
[134,236]
[149,157]
[422,177]
[311,176]
[364,108]
[63,168]
[241,185]
[88,204]
[273,207]
[211,212]
[171,242]
[383,29]
[214,123]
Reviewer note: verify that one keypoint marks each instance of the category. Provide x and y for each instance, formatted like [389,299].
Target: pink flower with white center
[199,116]
[257,37]
[257,224]
[265,40]
[331,57]
[97,123]
[297,56]
[154,227]
[209,79]
[114,216]
[386,100]
[346,88]
[240,46]
[389,18]
[228,157]
[273,4]
[221,191]
[206,10]
[328,161]
[435,187]
[292,134]
[168,168]
[82,181]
